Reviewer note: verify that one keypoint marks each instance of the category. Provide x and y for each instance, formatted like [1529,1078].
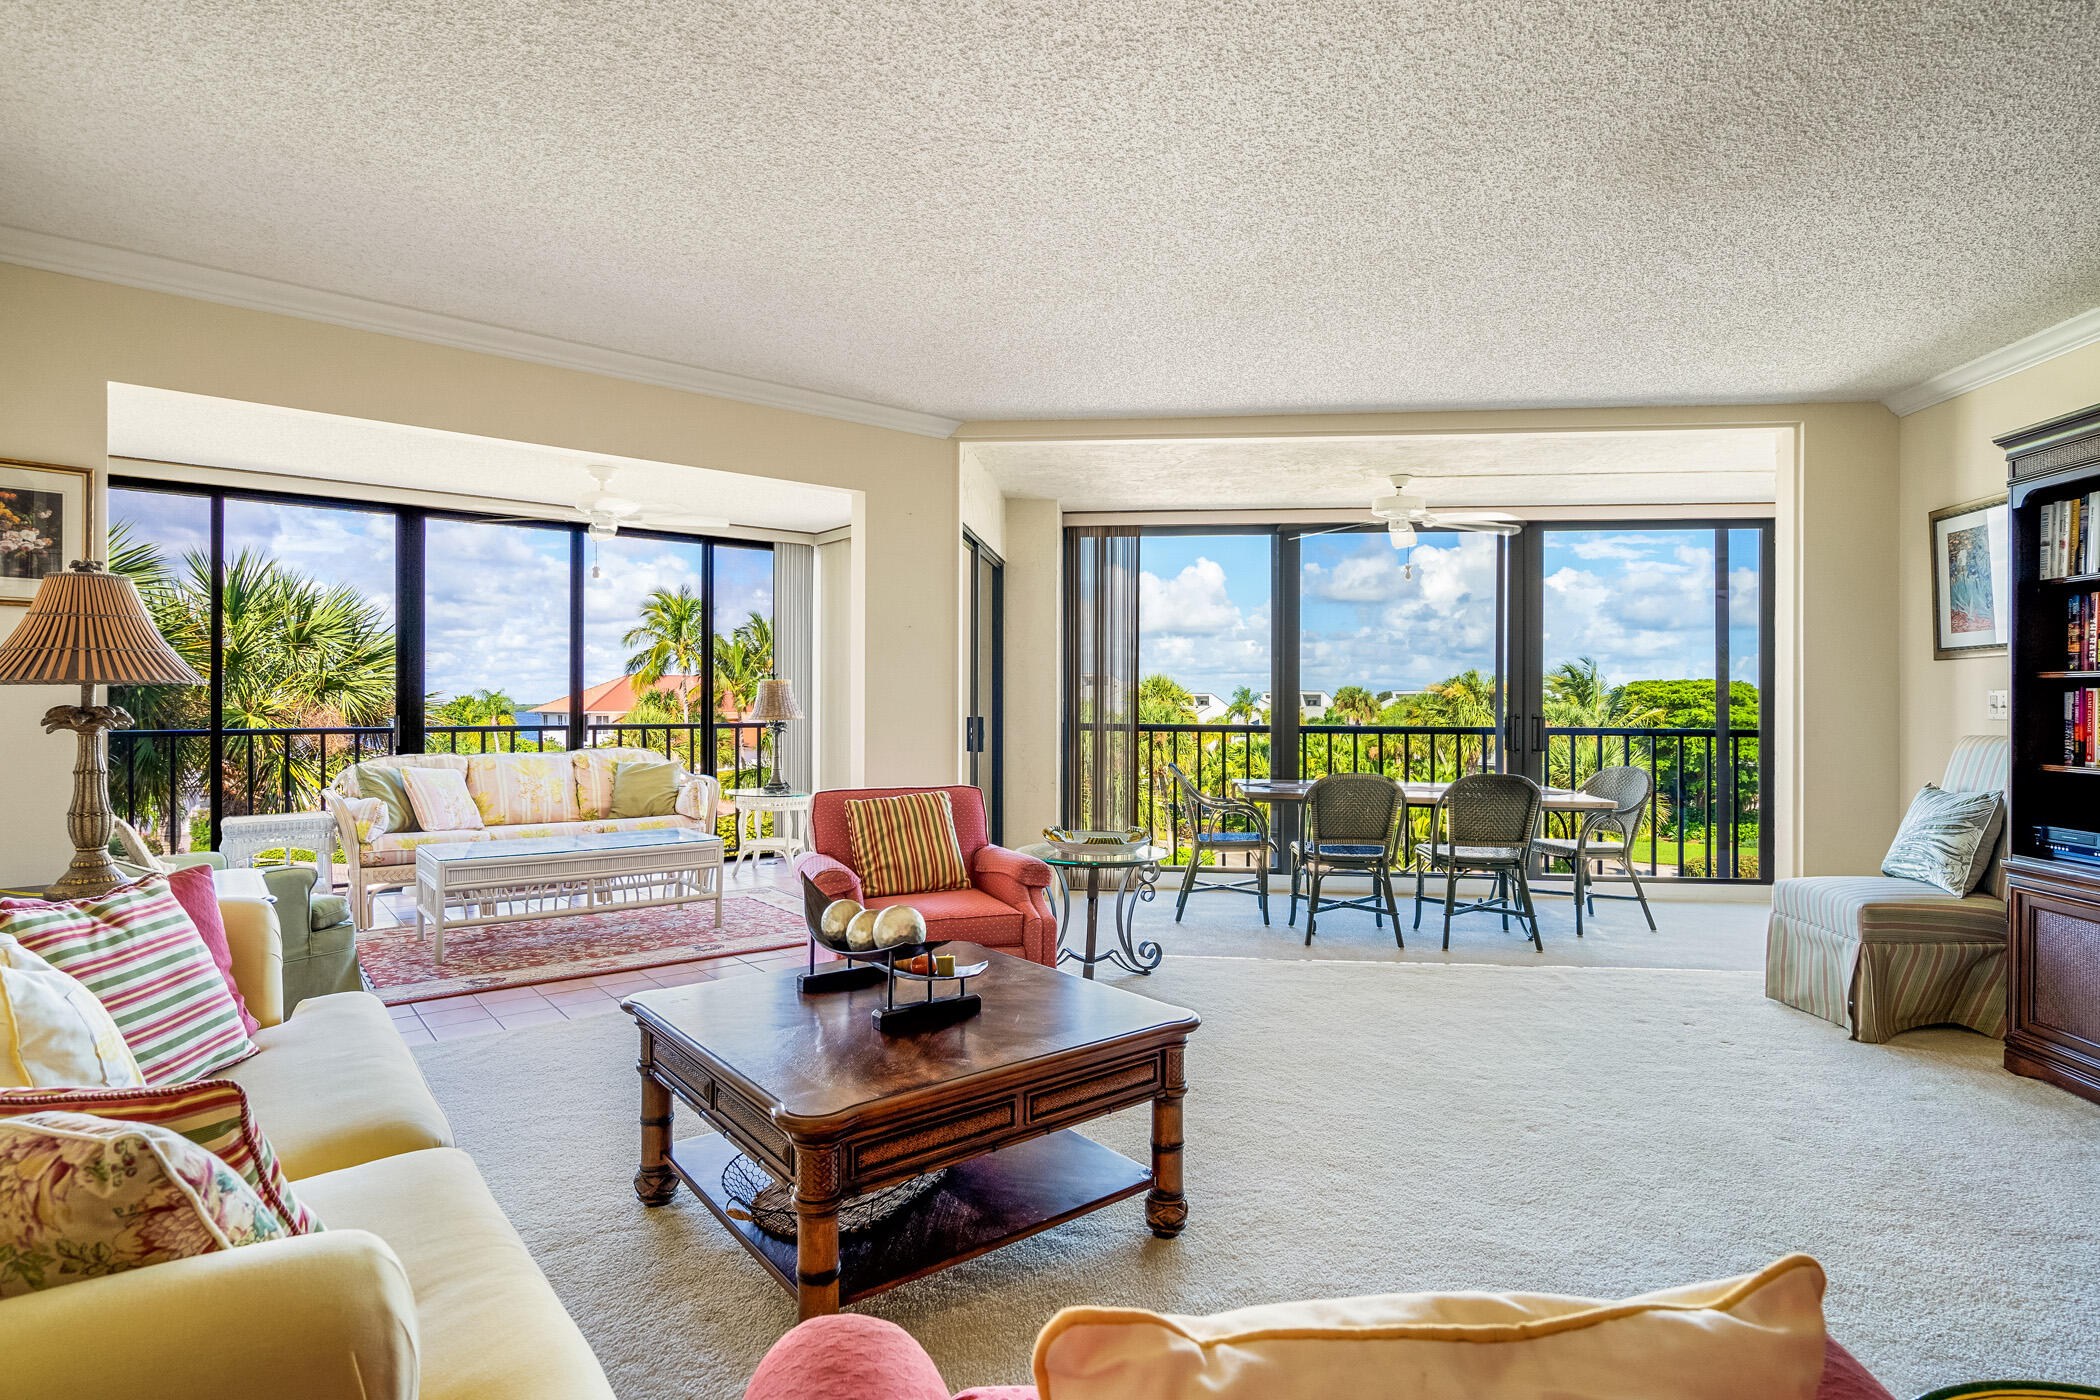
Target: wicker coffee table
[806,1087]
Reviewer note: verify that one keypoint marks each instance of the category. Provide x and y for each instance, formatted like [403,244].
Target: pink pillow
[193,889]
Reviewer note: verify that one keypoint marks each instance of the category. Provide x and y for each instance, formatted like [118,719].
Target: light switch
[1994,705]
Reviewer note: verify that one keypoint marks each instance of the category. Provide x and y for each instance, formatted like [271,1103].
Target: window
[495,636]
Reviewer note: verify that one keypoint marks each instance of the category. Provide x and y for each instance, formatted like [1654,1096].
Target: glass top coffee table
[1130,875]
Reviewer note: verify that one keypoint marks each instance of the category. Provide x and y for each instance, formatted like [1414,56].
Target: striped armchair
[1879,955]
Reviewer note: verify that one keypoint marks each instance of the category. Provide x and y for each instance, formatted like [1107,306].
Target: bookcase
[2053,1029]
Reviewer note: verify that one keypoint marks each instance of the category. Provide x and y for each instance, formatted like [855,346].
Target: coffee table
[807,1088]
[472,884]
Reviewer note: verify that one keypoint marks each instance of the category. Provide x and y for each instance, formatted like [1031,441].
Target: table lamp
[87,627]
[776,706]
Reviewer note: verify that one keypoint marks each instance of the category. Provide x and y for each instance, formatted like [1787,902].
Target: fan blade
[1485,524]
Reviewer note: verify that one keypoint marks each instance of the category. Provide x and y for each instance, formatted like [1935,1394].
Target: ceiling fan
[604,512]
[1405,513]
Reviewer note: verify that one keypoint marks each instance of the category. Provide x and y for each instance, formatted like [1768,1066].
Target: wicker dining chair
[1629,787]
[1351,823]
[1227,826]
[1486,821]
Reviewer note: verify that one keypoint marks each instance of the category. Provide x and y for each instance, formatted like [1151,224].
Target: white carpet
[1374,1127]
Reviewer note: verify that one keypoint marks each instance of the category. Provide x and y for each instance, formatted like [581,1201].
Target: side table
[242,839]
[790,813]
[1130,875]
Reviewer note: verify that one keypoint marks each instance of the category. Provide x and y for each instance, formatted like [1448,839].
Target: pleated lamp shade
[87,627]
[776,703]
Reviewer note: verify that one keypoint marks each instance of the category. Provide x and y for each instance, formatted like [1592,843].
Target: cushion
[968,916]
[594,770]
[196,889]
[696,799]
[642,788]
[442,800]
[327,911]
[383,783]
[905,844]
[53,1032]
[488,1323]
[137,951]
[213,1114]
[1759,1337]
[399,848]
[369,817]
[338,1086]
[515,789]
[1946,838]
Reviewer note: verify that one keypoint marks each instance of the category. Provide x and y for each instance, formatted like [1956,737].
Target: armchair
[1007,905]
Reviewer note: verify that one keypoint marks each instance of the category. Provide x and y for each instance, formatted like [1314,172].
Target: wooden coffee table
[805,1086]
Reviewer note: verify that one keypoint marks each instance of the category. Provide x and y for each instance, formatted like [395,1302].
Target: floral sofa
[518,795]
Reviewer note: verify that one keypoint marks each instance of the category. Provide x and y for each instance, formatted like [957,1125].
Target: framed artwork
[45,523]
[1971,584]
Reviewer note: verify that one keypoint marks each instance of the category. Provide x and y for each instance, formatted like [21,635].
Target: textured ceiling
[1704,466]
[160,425]
[1132,207]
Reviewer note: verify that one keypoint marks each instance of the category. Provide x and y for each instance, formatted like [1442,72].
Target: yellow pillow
[1759,1337]
[441,799]
[53,1033]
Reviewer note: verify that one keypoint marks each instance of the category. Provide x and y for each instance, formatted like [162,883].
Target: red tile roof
[618,696]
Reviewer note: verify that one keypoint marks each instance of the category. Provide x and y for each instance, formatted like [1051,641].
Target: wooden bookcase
[2054,931]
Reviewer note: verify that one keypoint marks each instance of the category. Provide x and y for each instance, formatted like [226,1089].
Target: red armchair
[1007,905]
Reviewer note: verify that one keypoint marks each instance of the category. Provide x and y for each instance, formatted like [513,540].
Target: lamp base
[87,877]
[776,788]
[89,820]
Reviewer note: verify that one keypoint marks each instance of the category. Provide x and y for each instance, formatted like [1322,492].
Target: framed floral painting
[45,522]
[1971,607]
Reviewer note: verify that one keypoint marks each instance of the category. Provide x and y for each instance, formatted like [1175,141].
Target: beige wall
[1034,713]
[67,338]
[1947,457]
[835,750]
[1835,799]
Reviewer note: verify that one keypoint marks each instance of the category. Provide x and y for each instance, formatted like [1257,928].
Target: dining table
[1291,792]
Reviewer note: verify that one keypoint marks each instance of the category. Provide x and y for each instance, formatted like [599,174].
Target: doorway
[984,725]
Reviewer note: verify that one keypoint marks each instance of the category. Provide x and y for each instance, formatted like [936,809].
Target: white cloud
[1193,602]
[1608,546]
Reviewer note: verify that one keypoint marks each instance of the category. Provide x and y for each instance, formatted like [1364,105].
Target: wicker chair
[1351,823]
[1487,820]
[1629,787]
[1211,827]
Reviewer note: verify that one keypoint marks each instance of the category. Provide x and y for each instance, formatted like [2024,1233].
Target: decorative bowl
[1127,838]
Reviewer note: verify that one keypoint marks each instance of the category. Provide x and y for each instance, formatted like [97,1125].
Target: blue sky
[497,612]
[1639,602]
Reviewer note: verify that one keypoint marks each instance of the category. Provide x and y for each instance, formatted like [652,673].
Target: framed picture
[1971,586]
[45,523]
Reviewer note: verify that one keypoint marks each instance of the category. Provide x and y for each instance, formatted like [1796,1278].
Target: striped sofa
[1879,955]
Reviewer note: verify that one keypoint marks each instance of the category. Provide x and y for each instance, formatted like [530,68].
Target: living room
[1678,466]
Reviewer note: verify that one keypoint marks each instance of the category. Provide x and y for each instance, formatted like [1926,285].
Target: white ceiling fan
[604,512]
[1405,513]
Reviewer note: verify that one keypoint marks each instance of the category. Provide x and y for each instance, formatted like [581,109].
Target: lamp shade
[87,626]
[776,703]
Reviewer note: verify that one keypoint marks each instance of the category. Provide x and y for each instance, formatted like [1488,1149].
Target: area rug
[401,969]
[1365,1128]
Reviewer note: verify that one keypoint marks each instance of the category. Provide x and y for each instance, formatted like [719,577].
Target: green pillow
[645,787]
[386,785]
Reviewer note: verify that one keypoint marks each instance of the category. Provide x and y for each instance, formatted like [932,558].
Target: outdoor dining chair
[1351,823]
[1225,825]
[1485,823]
[1629,787]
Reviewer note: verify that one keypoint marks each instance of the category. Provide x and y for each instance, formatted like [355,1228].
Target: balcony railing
[157,776]
[1696,825]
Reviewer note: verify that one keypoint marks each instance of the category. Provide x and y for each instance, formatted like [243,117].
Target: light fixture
[774,708]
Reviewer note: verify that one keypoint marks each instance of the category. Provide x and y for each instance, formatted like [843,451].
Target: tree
[1244,707]
[1690,704]
[672,637]
[743,658]
[1352,704]
[477,708]
[1162,700]
[1577,698]
[1463,701]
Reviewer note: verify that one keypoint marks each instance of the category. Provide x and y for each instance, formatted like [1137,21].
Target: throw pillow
[521,789]
[386,784]
[212,1114]
[642,788]
[53,1031]
[441,799]
[1946,838]
[906,844]
[94,1196]
[1759,1337]
[369,817]
[198,894]
[137,951]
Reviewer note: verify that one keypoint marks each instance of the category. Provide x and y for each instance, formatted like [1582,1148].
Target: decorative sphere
[860,930]
[837,914]
[899,924]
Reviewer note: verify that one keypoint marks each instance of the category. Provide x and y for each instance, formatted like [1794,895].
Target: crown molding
[157,274]
[2061,338]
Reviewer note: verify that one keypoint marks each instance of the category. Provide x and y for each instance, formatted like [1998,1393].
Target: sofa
[1007,905]
[417,1287]
[1879,955]
[519,795]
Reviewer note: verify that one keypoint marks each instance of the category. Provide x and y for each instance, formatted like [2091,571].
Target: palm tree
[1353,704]
[1164,700]
[672,635]
[1578,698]
[477,708]
[743,658]
[1463,701]
[1245,707]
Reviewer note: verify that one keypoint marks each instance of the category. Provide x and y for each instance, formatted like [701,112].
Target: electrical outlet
[1995,706]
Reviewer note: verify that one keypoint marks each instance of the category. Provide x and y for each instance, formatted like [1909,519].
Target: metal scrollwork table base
[1131,876]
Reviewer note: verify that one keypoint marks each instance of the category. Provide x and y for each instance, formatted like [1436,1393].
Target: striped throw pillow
[906,845]
[139,953]
[212,1113]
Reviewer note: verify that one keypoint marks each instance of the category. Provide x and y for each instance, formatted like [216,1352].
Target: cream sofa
[510,810]
[417,1288]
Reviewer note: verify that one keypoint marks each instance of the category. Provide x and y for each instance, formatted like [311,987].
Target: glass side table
[1130,876]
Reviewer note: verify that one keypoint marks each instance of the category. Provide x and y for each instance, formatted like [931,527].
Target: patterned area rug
[580,945]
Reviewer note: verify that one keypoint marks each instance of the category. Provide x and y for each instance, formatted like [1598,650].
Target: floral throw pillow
[368,817]
[1946,838]
[516,789]
[93,1196]
[441,799]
